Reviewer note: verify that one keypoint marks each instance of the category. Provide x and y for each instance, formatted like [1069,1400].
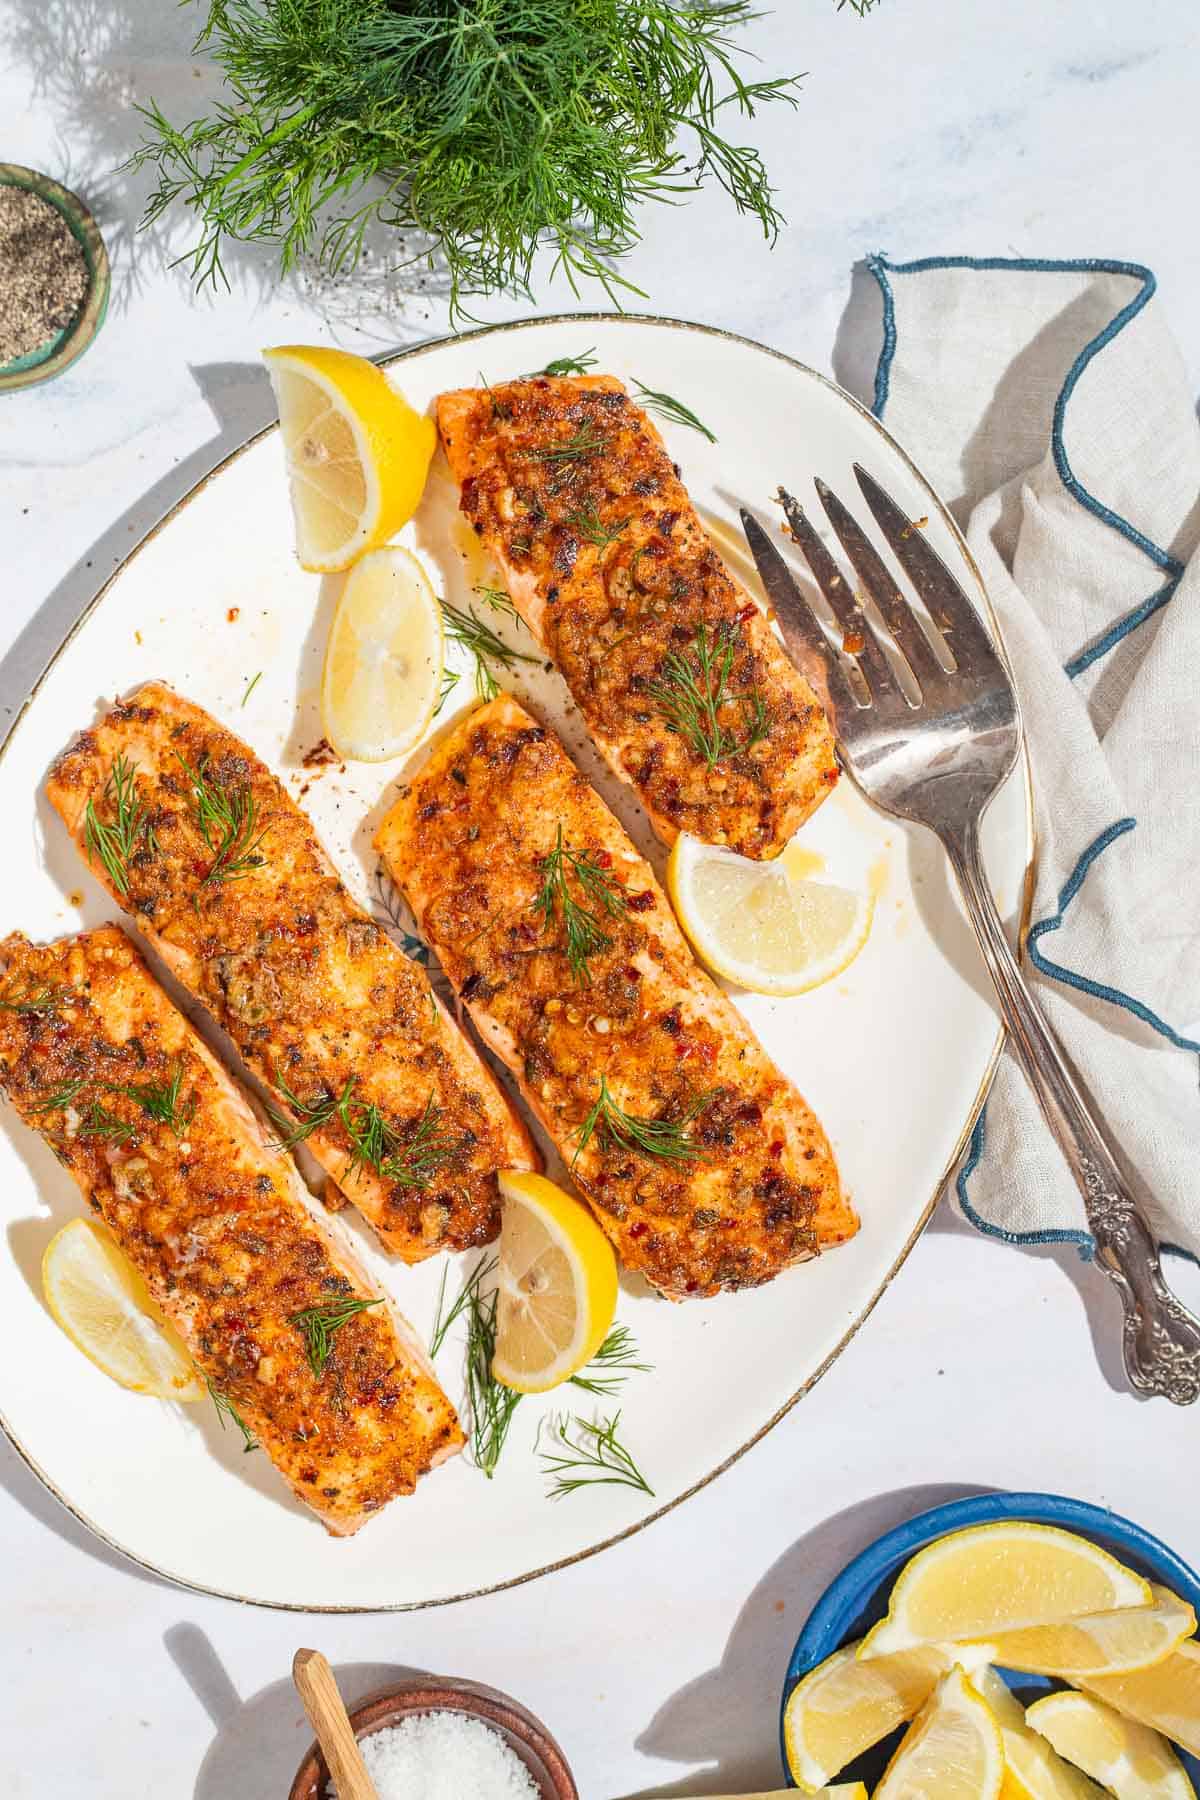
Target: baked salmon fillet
[220,869]
[166,1150]
[676,671]
[701,1162]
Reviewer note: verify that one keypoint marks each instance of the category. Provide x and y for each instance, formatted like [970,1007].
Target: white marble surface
[935,126]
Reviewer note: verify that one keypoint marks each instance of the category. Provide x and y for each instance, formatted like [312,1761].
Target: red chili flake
[630,973]
[747,612]
[776,1149]
[639,902]
[638,1229]
[693,1287]
[749,1114]
[603,859]
[726,1224]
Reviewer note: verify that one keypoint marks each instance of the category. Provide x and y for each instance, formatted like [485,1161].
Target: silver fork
[934,748]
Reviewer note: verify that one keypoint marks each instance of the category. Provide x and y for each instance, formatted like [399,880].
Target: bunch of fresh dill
[483,128]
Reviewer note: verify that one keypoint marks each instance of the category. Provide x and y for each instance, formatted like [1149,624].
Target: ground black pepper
[43,274]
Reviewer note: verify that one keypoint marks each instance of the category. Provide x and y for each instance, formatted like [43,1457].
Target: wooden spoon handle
[317,1688]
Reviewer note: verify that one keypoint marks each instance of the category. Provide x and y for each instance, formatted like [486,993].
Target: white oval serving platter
[895,1054]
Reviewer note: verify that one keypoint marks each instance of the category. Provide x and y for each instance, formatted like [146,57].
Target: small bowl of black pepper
[54,277]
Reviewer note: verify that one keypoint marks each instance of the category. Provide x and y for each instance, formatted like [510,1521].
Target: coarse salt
[443,1756]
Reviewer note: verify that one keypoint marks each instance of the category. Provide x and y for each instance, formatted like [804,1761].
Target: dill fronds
[667,407]
[485,128]
[161,1101]
[614,1362]
[227,1410]
[594,1457]
[468,629]
[112,841]
[692,689]
[665,1140]
[583,935]
[320,1324]
[588,524]
[569,365]
[227,820]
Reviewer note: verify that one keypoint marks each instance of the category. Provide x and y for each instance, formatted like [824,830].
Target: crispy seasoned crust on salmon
[224,874]
[676,671]
[213,1218]
[473,843]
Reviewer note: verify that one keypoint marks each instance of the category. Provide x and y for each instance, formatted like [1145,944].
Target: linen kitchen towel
[1048,404]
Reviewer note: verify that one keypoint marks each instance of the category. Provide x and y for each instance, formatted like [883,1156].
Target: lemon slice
[357,452]
[844,1705]
[105,1308]
[1004,1577]
[952,1750]
[1107,1643]
[1166,1696]
[1130,1760]
[556,1285]
[1032,1770]
[383,661]
[761,926]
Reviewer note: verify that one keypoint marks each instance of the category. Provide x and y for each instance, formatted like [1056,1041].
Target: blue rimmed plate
[853,1602]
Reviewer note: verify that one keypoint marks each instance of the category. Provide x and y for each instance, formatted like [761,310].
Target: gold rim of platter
[565,1562]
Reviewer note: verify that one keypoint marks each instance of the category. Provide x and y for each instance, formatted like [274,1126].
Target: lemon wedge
[357,453]
[1107,1643]
[951,1751]
[773,928]
[844,1705]
[556,1285]
[101,1302]
[1003,1577]
[383,661]
[1166,1696]
[1032,1770]
[1130,1760]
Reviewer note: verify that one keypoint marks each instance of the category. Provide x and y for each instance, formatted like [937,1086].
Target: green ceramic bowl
[61,351]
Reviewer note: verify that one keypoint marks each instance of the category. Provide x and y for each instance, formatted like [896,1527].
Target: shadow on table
[260,1741]
[728,1719]
[19,1481]
[239,395]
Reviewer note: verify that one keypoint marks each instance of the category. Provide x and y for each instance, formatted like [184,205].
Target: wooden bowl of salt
[474,1739]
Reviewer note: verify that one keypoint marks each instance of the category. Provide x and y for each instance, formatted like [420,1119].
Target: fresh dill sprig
[112,841]
[581,444]
[227,820]
[594,1457]
[569,365]
[485,132]
[468,629]
[161,1101]
[21,997]
[499,601]
[99,1124]
[320,1324]
[693,688]
[589,525]
[61,1097]
[583,935]
[614,1362]
[407,1158]
[490,1403]
[308,1115]
[449,683]
[227,1410]
[667,407]
[666,1140]
[251,685]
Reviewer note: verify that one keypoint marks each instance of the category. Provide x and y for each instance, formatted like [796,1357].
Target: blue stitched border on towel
[880,267]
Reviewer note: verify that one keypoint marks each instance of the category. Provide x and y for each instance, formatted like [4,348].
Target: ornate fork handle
[1161,1338]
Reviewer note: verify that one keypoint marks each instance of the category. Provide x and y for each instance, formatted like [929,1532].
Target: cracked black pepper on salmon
[676,671]
[213,1218]
[221,870]
[701,1161]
